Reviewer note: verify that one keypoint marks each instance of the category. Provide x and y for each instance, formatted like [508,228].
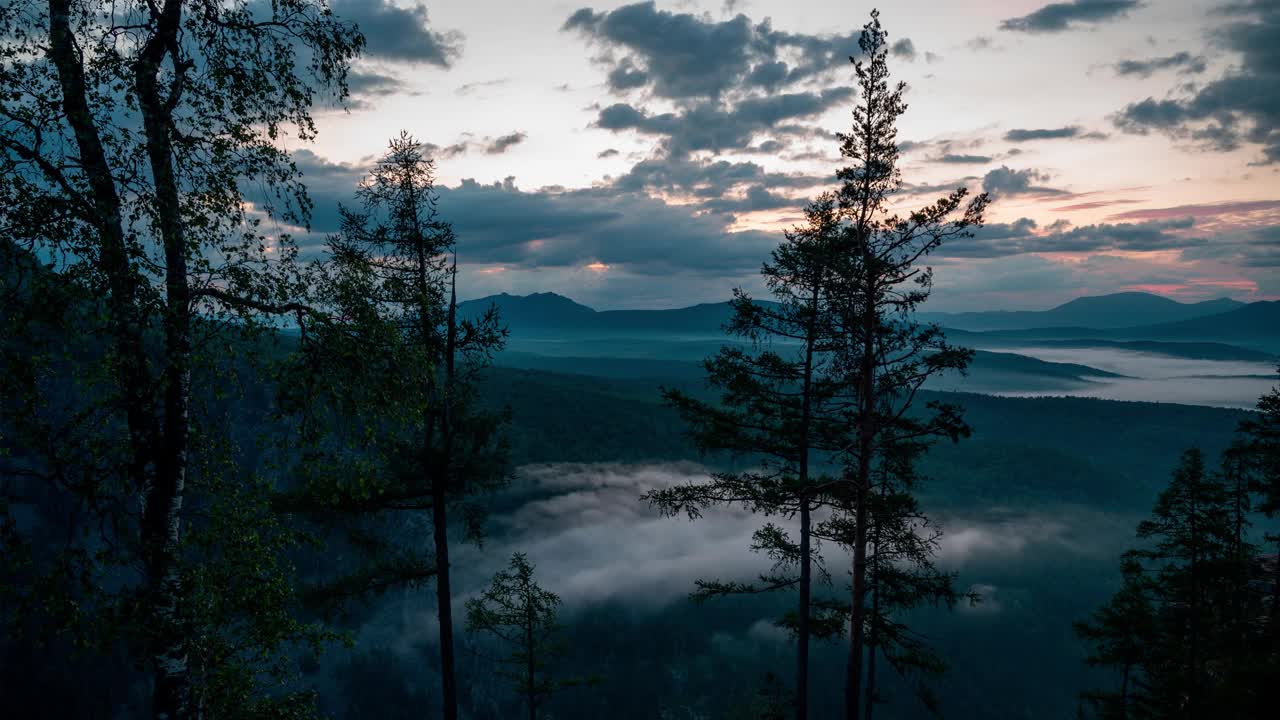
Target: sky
[650,155]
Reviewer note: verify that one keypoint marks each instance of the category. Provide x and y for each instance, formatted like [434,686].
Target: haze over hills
[1118,310]
[1223,358]
[1120,316]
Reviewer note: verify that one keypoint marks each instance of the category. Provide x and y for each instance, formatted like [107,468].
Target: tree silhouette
[886,355]
[773,408]
[130,130]
[522,615]
[385,385]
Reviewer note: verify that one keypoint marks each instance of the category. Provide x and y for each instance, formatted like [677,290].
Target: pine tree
[1261,455]
[773,409]
[402,436]
[885,356]
[1122,633]
[1175,627]
[522,615]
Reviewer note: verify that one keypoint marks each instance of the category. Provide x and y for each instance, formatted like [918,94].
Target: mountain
[549,311]
[1118,310]
[539,310]
[1255,323]
[1255,326]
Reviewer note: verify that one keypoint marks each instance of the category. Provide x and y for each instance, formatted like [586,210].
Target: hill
[1137,314]
[1255,326]
[1117,310]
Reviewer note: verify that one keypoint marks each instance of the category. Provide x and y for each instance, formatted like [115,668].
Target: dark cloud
[501,144]
[711,127]
[472,87]
[1240,107]
[1184,62]
[607,153]
[1058,17]
[1025,236]
[708,179]
[368,85]
[1071,131]
[501,224]
[723,85]
[1094,205]
[1253,248]
[1202,210]
[1004,181]
[449,151]
[487,145]
[398,33]
[757,197]
[904,49]
[683,56]
[963,159]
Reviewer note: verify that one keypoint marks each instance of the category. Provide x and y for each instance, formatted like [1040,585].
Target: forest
[240,479]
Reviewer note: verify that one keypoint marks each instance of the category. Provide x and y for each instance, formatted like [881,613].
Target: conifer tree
[774,410]
[1122,632]
[522,615]
[1174,628]
[384,392]
[1261,454]
[885,355]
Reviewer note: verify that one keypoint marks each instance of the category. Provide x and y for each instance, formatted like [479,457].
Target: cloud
[707,178]
[980,43]
[1005,181]
[904,49]
[699,87]
[473,87]
[400,33]
[1062,16]
[1201,210]
[500,224]
[681,55]
[1238,108]
[593,540]
[1070,131]
[709,127]
[368,85]
[499,145]
[1184,62]
[757,197]
[964,159]
[607,153]
[1026,236]
[1094,205]
[1255,248]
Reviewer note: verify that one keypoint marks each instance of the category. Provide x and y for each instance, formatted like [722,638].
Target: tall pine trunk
[853,677]
[802,622]
[531,664]
[444,600]
[806,566]
[866,444]
[873,641]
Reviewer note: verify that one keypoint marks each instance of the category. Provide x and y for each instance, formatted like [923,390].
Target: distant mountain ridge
[549,311]
[1117,310]
[1124,314]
